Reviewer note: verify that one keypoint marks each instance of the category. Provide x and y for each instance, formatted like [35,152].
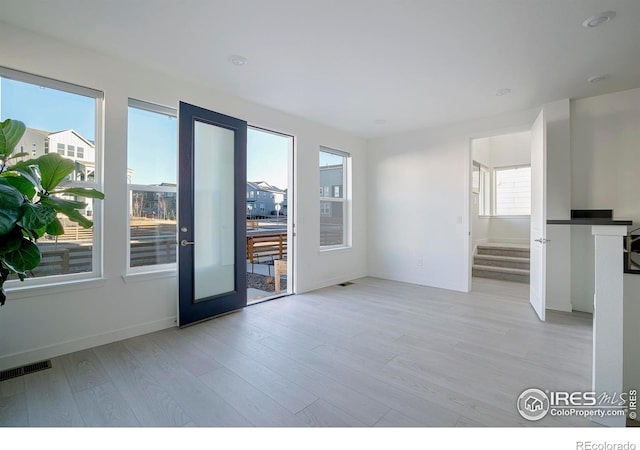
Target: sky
[152,138]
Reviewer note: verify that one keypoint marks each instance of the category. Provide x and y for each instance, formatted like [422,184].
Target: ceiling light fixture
[598,19]
[597,78]
[238,60]
[503,91]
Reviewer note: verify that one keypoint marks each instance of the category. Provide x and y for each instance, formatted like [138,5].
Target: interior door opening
[269,214]
[501,208]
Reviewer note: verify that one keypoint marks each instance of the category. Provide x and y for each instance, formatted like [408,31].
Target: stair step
[501,273]
[502,261]
[503,250]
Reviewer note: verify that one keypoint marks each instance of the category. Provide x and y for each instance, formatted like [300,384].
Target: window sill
[16,292]
[138,277]
[335,249]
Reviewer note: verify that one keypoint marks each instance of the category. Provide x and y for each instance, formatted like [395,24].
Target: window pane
[58,120]
[332,198]
[152,228]
[151,173]
[485,191]
[513,191]
[331,223]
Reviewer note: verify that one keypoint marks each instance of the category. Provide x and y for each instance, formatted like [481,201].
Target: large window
[151,173]
[334,210]
[513,191]
[60,116]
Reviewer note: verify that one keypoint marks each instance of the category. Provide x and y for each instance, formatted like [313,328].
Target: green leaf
[53,169]
[36,216]
[55,228]
[82,192]
[69,208]
[26,257]
[75,216]
[8,219]
[61,204]
[18,155]
[11,131]
[10,197]
[20,182]
[11,241]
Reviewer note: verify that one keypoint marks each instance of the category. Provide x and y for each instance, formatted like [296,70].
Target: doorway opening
[269,214]
[500,209]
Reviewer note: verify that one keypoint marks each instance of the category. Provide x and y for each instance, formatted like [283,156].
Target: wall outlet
[420,262]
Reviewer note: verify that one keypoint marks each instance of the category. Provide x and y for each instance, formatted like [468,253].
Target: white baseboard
[62,348]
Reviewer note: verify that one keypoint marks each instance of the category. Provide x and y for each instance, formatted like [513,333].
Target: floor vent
[24,370]
[346,283]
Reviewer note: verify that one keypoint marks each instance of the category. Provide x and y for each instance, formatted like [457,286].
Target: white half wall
[43,323]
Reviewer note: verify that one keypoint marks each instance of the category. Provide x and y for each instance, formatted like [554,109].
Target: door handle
[542,240]
[184,243]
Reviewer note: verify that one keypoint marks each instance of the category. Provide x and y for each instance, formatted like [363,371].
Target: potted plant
[30,202]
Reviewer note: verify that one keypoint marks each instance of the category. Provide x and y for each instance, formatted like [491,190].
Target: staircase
[507,262]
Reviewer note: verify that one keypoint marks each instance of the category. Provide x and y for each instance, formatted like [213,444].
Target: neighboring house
[67,143]
[331,186]
[263,200]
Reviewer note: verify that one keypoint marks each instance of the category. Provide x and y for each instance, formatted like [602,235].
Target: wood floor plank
[147,396]
[13,411]
[363,408]
[50,402]
[102,405]
[421,410]
[83,370]
[11,387]
[395,419]
[257,407]
[323,414]
[283,391]
[186,354]
[201,404]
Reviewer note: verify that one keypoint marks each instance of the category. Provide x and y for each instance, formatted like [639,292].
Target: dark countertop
[591,221]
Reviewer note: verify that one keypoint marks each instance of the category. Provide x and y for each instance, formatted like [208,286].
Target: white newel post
[608,315]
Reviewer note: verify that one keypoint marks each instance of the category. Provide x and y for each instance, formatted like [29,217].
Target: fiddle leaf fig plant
[30,203]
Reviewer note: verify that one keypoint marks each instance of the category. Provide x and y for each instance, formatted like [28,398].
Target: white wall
[419,204]
[42,323]
[605,158]
[505,150]
[604,162]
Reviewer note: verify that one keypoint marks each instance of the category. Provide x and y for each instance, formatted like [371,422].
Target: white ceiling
[354,63]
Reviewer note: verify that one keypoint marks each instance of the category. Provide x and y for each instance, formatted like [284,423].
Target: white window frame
[168,267]
[494,195]
[345,201]
[97,183]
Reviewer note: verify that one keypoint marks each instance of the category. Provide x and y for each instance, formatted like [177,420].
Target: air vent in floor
[24,370]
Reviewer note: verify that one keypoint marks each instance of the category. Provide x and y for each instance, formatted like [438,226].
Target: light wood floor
[376,353]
